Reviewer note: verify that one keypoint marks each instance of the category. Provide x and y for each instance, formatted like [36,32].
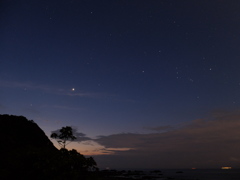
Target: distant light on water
[226,167]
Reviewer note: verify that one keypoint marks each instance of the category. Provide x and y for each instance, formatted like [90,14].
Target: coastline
[173,174]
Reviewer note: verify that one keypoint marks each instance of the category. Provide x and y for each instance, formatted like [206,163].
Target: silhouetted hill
[18,132]
[27,153]
[25,149]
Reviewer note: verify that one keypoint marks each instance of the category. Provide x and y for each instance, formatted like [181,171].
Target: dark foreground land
[27,153]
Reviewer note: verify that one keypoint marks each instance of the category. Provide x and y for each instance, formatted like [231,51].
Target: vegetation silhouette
[27,153]
[65,135]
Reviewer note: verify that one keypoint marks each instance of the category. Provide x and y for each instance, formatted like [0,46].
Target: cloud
[203,143]
[28,86]
[65,107]
[49,89]
[160,128]
[85,94]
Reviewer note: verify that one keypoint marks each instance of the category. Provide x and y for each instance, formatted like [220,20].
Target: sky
[143,83]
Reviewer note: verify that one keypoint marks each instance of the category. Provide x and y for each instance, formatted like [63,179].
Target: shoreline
[174,174]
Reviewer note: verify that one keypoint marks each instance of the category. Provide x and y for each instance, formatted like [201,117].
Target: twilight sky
[144,83]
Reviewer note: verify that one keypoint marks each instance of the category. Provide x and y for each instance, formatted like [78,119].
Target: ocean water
[203,174]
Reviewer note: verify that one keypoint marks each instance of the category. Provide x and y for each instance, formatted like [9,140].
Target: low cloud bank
[203,143]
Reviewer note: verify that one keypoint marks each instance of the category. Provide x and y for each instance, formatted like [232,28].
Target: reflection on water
[204,174]
[184,174]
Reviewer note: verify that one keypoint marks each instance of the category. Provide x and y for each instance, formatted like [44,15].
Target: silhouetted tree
[65,135]
[91,164]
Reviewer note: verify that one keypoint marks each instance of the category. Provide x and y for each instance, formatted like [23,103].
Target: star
[73,89]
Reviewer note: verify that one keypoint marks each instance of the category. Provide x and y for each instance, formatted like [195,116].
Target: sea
[182,174]
[201,174]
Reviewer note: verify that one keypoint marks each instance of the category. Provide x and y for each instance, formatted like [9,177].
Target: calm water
[232,174]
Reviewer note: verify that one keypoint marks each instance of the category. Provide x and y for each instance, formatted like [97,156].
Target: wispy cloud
[50,89]
[85,94]
[29,86]
[66,107]
[110,151]
[160,128]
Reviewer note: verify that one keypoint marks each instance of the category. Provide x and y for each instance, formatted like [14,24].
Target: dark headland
[27,153]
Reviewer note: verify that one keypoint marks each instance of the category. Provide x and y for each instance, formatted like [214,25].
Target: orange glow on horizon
[90,148]
[226,167]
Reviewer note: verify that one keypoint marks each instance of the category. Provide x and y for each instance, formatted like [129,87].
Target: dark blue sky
[141,68]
